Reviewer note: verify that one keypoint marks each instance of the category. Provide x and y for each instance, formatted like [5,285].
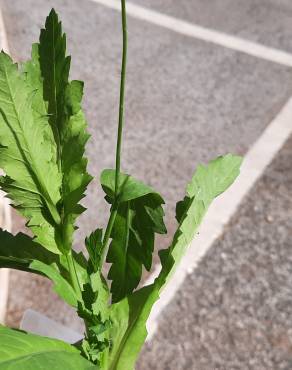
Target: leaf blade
[130,315]
[61,285]
[207,183]
[32,352]
[18,251]
[63,105]
[139,217]
[32,179]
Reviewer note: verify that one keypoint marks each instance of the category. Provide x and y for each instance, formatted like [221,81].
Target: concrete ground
[187,101]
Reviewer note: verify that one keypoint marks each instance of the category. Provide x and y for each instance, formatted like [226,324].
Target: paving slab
[187,101]
[267,22]
[235,310]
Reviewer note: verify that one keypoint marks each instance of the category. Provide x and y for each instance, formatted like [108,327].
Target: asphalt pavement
[187,101]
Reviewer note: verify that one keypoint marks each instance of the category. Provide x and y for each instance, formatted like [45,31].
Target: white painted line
[255,162]
[5,216]
[203,33]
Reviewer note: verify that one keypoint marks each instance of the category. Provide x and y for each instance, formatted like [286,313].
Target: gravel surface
[235,310]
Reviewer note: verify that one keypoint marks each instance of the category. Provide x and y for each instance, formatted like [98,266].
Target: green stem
[73,275]
[114,208]
[122,97]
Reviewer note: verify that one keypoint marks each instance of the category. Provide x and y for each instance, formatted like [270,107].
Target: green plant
[42,142]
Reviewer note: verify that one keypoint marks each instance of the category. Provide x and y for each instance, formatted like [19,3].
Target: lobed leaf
[129,188]
[95,311]
[67,121]
[27,157]
[139,217]
[207,183]
[130,315]
[20,250]
[46,175]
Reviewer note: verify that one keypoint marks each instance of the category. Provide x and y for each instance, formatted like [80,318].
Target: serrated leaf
[20,350]
[130,315]
[94,309]
[129,188]
[32,180]
[18,251]
[48,74]
[207,183]
[21,252]
[139,217]
[94,248]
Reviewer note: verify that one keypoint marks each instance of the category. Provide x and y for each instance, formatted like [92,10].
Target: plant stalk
[114,208]
[122,96]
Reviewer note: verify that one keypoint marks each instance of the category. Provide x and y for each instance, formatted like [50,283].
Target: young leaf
[47,73]
[95,311]
[32,180]
[20,350]
[93,245]
[139,217]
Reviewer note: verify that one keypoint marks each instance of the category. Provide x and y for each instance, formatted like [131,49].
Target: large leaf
[47,73]
[19,350]
[207,183]
[18,251]
[27,156]
[130,315]
[139,217]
